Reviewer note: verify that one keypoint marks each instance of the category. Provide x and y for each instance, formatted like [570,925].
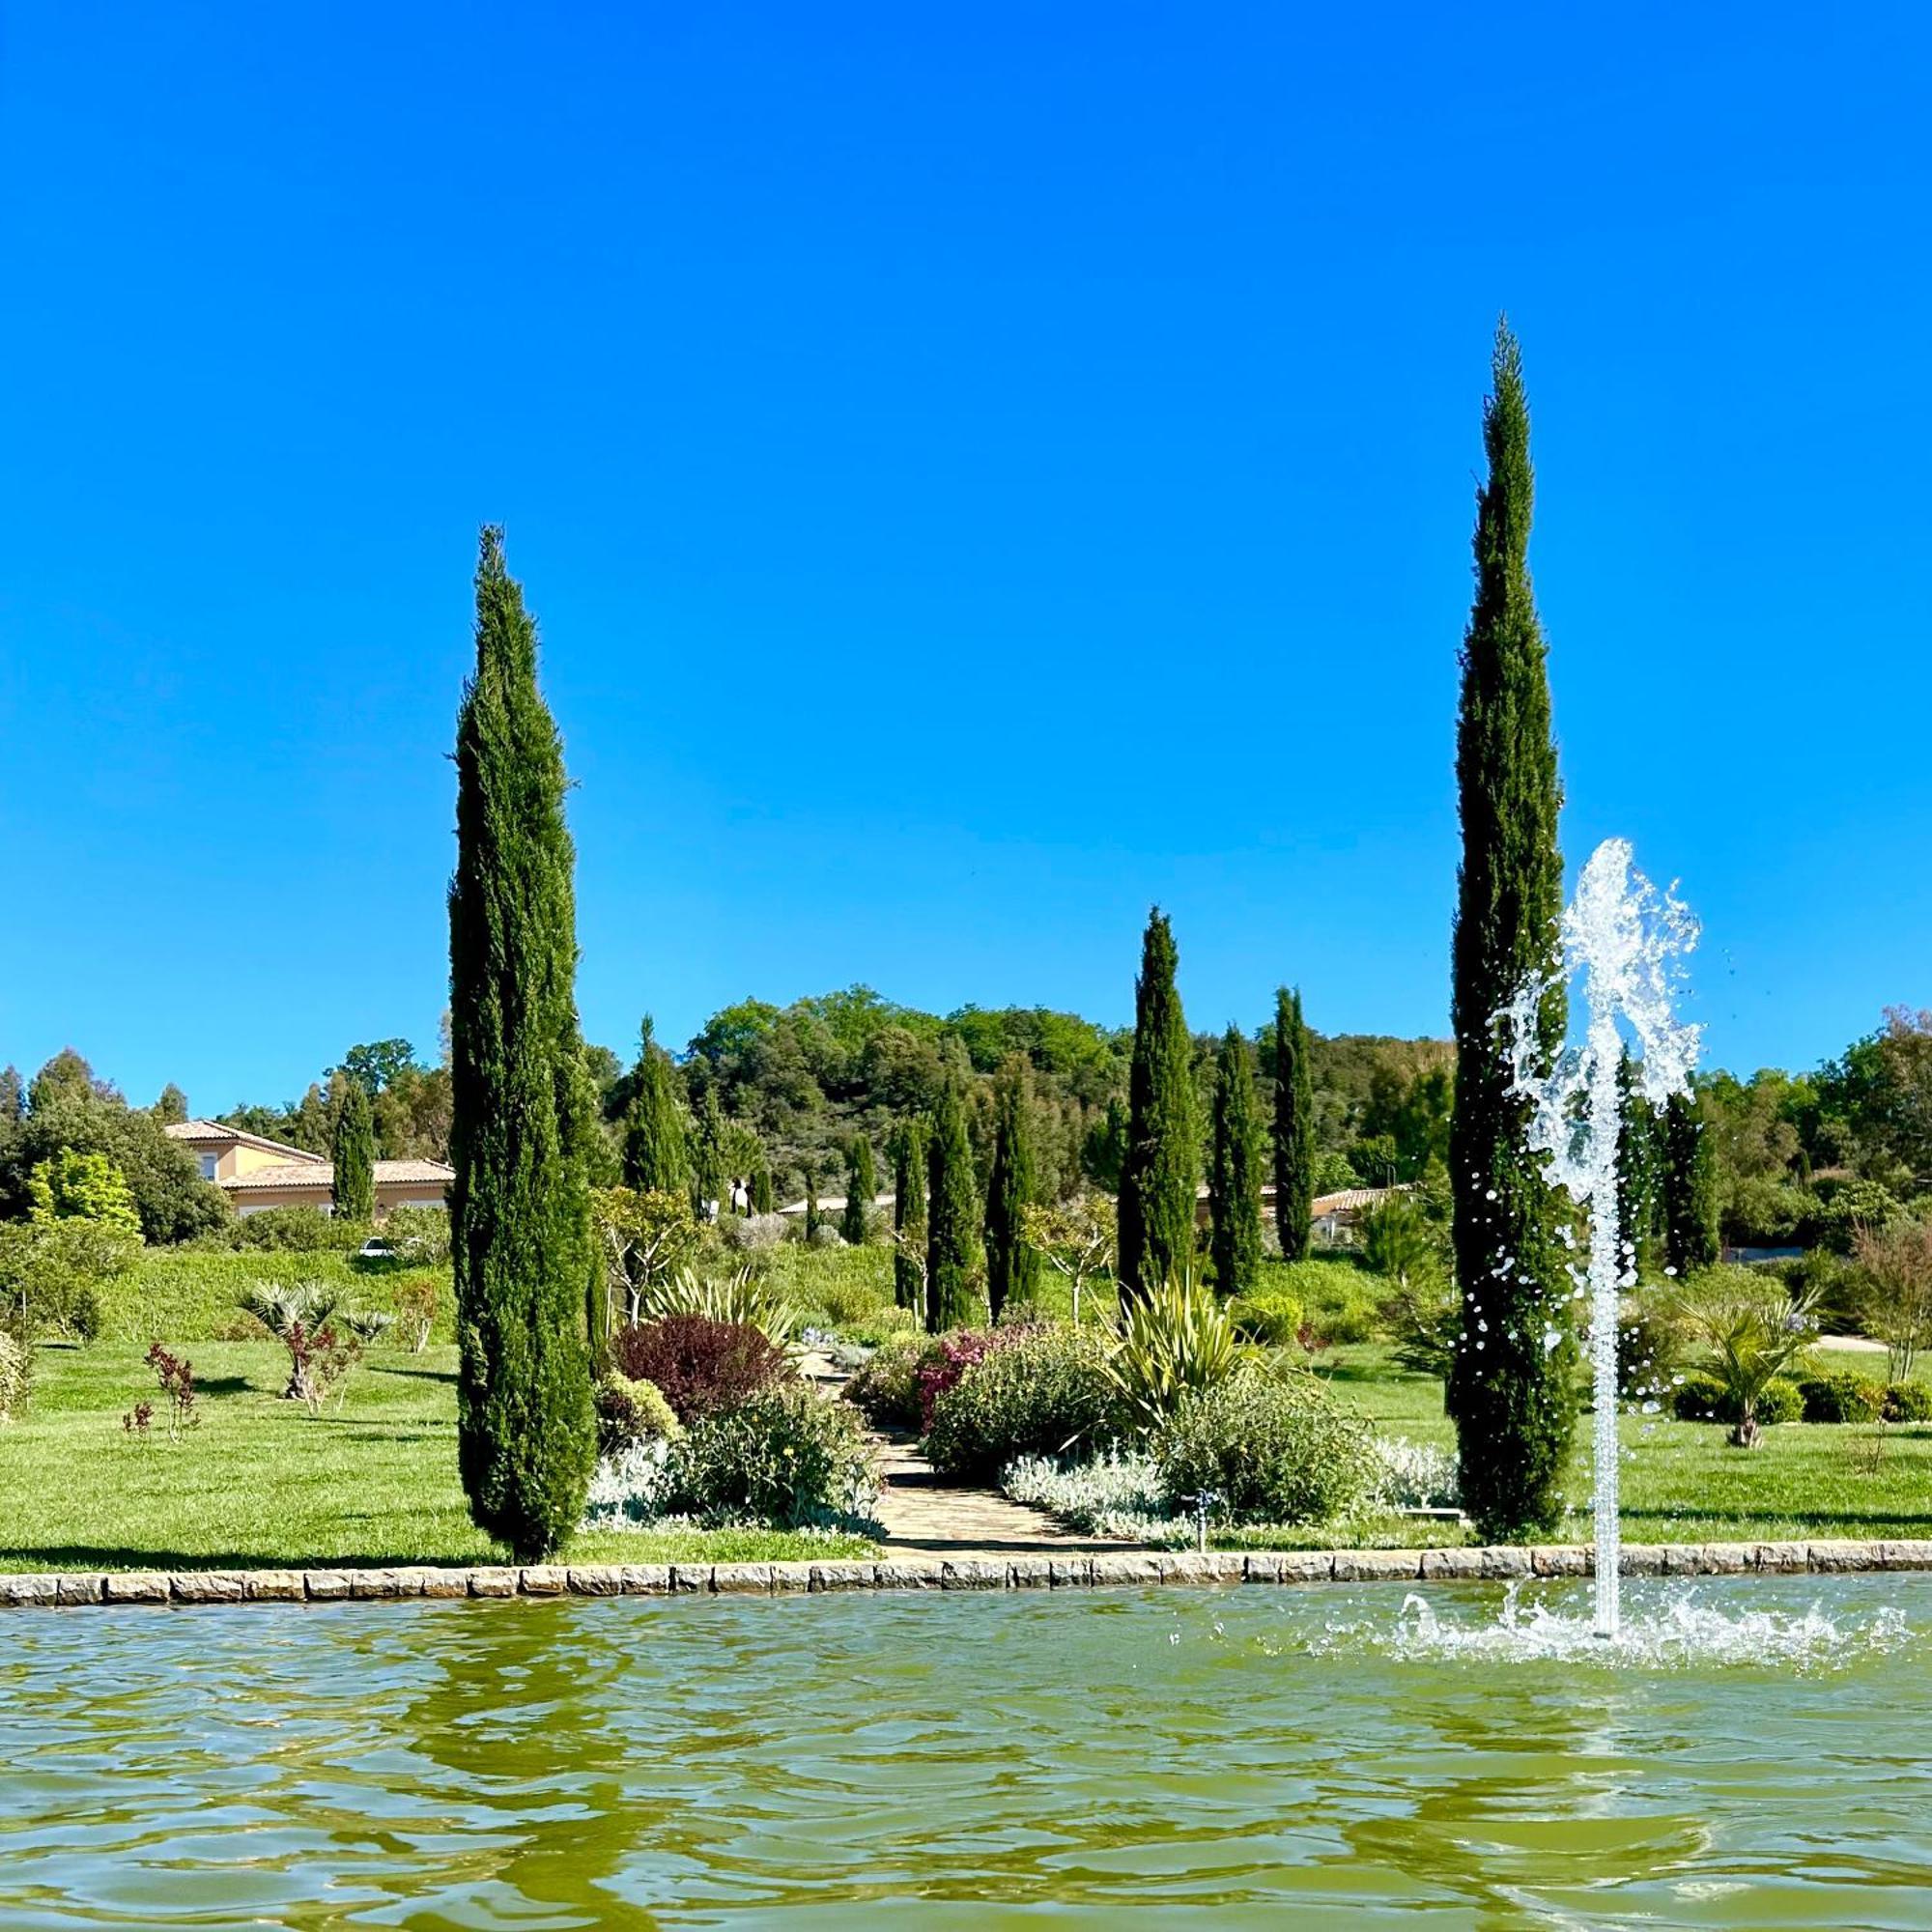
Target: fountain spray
[1628,943]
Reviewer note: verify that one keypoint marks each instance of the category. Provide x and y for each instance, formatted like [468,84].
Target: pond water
[1278,1755]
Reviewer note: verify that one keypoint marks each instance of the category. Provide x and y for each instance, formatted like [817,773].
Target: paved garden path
[920,1513]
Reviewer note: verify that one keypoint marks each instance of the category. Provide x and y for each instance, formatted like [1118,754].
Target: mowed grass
[260,1483]
[1682,1483]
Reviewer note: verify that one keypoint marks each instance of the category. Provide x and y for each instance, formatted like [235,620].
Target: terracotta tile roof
[320,1176]
[211,1133]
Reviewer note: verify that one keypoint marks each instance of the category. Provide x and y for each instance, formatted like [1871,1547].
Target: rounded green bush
[1908,1401]
[631,1410]
[1841,1397]
[1042,1394]
[1272,1317]
[1703,1398]
[1272,1448]
[786,1458]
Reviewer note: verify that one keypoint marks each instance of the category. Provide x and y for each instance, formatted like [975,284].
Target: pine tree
[1012,1265]
[523,1106]
[354,1156]
[1512,1390]
[1294,1128]
[657,1156]
[1690,1189]
[1159,1173]
[1235,1170]
[861,1182]
[909,1155]
[952,1216]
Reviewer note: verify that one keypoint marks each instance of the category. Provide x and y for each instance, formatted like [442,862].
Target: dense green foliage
[1012,1264]
[1293,1126]
[354,1156]
[656,1158]
[861,1184]
[1046,1394]
[1163,1152]
[952,1218]
[909,1158]
[522,1104]
[1235,1170]
[1688,1188]
[1513,1393]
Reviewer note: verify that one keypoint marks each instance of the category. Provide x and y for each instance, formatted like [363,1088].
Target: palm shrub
[1174,1341]
[1266,1447]
[1048,1393]
[1752,1330]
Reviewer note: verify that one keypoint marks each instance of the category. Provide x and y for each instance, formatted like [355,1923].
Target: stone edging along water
[1131,1569]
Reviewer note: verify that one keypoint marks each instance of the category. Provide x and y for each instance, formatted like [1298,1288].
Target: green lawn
[262,1483]
[1682,1483]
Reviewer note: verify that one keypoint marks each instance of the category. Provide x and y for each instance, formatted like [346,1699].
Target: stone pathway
[923,1514]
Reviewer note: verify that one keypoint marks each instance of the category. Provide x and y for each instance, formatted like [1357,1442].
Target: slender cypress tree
[1690,1189]
[1162,1165]
[812,1217]
[861,1182]
[1012,1266]
[1294,1128]
[522,1107]
[657,1155]
[1235,1170]
[952,1216]
[354,1156]
[1512,1389]
[761,1187]
[707,1155]
[909,1155]
[1637,1173]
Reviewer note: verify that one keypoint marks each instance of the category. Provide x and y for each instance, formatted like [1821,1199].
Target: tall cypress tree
[707,1155]
[952,1216]
[657,1155]
[354,1156]
[1235,1170]
[522,1108]
[1162,1165]
[1512,1390]
[1294,1127]
[812,1217]
[1012,1265]
[861,1182]
[909,1153]
[1690,1189]
[761,1186]
[1637,1173]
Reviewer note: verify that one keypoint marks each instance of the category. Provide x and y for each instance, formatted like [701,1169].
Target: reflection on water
[1280,1755]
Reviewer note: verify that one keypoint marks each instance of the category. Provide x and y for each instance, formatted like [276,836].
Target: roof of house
[320,1176]
[213,1133]
[835,1203]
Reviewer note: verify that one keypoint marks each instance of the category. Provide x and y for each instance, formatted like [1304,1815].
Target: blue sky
[978,470]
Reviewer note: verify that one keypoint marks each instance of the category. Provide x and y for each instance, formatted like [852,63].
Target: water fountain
[1627,943]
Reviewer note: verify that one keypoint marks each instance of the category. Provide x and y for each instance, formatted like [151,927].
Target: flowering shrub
[956,1353]
[887,1387]
[629,1412]
[1272,1448]
[786,1458]
[1044,1392]
[700,1366]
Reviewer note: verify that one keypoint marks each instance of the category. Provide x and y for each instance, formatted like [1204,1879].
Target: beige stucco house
[255,1173]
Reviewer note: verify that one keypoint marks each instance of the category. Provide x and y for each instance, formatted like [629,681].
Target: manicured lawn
[1683,1484]
[262,1483]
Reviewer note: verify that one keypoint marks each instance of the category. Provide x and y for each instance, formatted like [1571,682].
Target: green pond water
[1247,1757]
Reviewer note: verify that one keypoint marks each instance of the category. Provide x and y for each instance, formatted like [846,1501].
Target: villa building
[255,1173]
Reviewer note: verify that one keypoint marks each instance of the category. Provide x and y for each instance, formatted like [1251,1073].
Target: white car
[374,1249]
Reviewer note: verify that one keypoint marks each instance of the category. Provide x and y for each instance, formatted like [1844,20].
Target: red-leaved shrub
[956,1354]
[702,1366]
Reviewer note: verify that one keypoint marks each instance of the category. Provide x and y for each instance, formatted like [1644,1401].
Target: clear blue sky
[979,471]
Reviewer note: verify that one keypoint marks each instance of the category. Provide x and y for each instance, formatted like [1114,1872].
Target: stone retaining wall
[1129,1570]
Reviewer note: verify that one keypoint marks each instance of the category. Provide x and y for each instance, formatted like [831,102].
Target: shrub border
[52,1589]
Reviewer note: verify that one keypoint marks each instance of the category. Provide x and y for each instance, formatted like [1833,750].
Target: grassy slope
[262,1483]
